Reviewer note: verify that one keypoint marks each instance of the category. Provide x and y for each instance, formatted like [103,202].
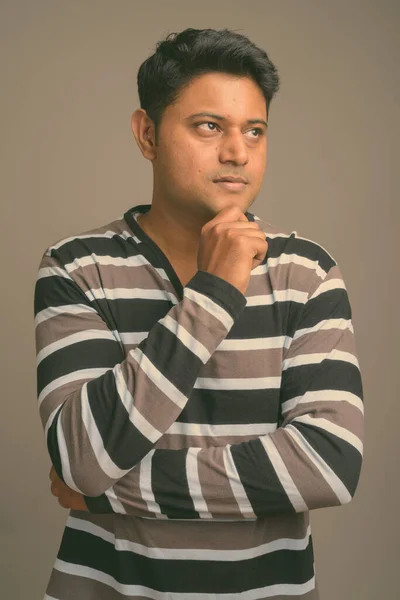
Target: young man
[197,374]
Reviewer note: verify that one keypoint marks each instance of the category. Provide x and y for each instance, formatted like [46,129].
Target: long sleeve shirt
[201,424]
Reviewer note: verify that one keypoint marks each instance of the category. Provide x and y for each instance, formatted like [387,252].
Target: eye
[260,132]
[207,123]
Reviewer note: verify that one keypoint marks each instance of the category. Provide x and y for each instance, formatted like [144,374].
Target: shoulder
[99,241]
[286,246]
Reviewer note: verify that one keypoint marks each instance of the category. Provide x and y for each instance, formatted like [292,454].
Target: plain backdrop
[69,162]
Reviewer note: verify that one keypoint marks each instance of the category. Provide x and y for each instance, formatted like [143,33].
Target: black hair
[181,57]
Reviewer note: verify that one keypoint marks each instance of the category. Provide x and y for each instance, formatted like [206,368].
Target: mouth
[233,186]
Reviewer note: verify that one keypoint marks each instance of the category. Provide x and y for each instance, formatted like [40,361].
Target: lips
[231,180]
[232,186]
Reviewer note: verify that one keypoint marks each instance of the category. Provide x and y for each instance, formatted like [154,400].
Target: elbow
[84,479]
[349,479]
[90,482]
[93,489]
[339,487]
[352,483]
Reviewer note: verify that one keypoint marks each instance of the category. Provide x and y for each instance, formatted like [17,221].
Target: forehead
[236,97]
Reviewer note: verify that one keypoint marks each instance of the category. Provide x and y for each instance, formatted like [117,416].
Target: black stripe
[260,481]
[133,314]
[52,445]
[188,576]
[266,320]
[125,444]
[224,407]
[87,354]
[306,248]
[116,247]
[99,504]
[220,291]
[332,304]
[327,375]
[56,291]
[170,488]
[341,456]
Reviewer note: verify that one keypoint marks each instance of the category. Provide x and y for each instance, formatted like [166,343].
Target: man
[197,374]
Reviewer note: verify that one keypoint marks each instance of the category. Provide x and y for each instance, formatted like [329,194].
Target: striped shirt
[201,424]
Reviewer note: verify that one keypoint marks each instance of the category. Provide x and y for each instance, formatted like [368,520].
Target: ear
[143,130]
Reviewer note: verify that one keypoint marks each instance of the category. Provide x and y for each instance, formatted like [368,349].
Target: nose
[233,148]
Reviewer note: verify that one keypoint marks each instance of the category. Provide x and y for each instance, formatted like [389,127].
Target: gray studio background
[69,162]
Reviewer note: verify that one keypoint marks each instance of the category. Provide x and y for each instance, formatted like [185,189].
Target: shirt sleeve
[103,411]
[312,460]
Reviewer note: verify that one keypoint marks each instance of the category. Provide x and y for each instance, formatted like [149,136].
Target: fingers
[55,488]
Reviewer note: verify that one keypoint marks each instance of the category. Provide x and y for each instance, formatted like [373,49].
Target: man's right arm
[103,413]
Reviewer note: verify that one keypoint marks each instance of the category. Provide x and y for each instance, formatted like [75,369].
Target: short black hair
[181,57]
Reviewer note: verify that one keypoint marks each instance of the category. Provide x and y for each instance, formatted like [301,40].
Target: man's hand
[67,498]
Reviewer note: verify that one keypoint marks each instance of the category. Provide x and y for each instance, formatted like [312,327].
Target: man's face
[194,151]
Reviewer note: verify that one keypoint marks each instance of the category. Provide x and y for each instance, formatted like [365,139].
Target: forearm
[102,416]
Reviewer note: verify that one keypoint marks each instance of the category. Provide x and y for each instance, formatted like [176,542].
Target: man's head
[205,71]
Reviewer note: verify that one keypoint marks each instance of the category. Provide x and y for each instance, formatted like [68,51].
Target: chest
[184,271]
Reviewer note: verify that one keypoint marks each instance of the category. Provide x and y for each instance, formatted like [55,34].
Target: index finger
[227,214]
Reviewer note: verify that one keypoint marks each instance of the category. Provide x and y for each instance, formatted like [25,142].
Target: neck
[175,233]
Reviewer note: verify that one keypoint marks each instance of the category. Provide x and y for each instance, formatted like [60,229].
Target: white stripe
[116,504]
[210,306]
[159,380]
[103,458]
[207,429]
[318,357]
[133,337]
[107,234]
[296,259]
[328,474]
[242,383]
[51,271]
[288,259]
[186,338]
[105,260]
[50,420]
[226,555]
[146,487]
[130,293]
[337,430]
[135,416]
[286,295]
[236,345]
[74,376]
[326,286]
[324,396]
[235,482]
[194,484]
[283,475]
[64,457]
[55,311]
[69,340]
[130,590]
[323,325]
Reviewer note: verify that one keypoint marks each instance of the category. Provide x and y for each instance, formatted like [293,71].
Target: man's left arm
[313,460]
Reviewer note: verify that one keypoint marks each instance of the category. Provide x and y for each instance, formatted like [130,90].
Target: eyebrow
[221,118]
